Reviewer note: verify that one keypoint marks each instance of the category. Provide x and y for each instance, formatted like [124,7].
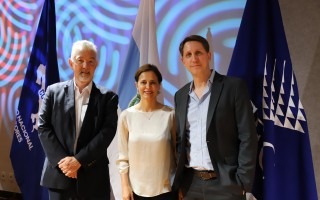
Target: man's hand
[69,166]
[180,195]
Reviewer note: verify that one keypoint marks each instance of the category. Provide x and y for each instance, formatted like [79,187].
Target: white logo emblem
[41,80]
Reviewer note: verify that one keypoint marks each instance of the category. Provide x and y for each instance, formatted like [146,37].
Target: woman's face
[148,85]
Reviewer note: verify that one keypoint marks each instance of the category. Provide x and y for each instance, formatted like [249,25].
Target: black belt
[205,174]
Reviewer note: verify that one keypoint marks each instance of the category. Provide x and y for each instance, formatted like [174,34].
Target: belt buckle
[205,175]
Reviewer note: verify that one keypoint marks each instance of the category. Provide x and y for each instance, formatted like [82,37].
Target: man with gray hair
[77,122]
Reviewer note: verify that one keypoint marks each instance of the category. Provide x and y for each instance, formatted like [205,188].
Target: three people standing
[212,131]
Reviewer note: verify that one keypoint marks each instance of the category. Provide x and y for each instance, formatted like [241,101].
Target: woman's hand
[127,193]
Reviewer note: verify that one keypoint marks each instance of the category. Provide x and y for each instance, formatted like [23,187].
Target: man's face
[195,58]
[83,65]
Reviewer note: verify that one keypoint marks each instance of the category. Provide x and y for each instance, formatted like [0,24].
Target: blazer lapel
[69,102]
[216,89]
[90,112]
[69,106]
[181,115]
[183,100]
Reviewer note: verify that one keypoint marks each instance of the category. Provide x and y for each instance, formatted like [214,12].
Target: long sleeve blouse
[146,142]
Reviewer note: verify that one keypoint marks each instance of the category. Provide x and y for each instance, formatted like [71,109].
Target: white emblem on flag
[275,109]
[41,80]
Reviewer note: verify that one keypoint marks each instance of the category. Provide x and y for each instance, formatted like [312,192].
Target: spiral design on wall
[109,25]
[196,17]
[16,27]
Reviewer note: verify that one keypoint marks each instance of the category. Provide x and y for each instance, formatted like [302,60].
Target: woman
[146,136]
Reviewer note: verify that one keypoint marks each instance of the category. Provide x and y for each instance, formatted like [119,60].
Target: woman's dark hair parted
[146,68]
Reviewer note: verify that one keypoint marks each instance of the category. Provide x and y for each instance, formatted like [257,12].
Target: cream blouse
[146,142]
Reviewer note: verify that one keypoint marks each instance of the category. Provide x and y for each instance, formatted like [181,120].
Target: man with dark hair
[216,136]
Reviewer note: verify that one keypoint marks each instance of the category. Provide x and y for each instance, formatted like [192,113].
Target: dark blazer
[57,132]
[231,134]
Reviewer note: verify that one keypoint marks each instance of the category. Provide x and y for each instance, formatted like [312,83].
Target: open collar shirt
[81,104]
[197,149]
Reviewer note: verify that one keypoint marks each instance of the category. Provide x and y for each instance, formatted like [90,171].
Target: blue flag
[261,57]
[143,49]
[27,155]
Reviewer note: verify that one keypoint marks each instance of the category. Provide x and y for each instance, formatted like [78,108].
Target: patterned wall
[109,25]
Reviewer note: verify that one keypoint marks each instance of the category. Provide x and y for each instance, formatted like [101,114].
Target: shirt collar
[209,81]
[88,88]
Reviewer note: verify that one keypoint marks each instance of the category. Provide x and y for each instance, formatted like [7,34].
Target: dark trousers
[164,196]
[70,194]
[194,188]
